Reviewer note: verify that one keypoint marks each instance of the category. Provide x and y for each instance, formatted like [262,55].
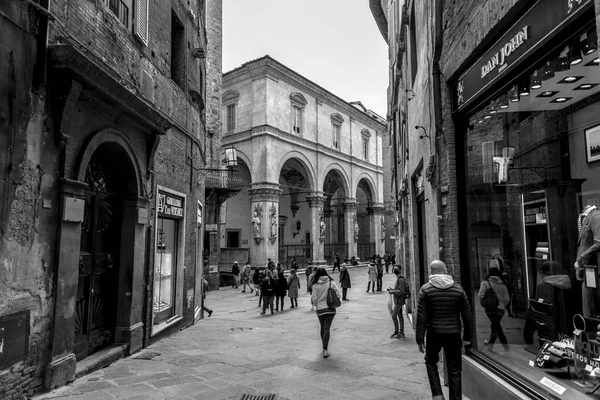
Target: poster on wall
[592,144]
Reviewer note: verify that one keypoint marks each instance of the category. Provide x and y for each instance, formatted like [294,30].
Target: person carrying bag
[325,296]
[400,293]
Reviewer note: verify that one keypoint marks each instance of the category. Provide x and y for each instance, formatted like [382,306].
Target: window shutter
[141,21]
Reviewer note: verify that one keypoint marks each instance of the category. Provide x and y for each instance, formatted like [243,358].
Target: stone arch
[337,118]
[365,181]
[343,175]
[243,157]
[230,96]
[304,161]
[298,99]
[114,136]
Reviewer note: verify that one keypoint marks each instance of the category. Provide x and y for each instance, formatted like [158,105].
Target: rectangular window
[336,136]
[231,111]
[414,65]
[296,119]
[366,149]
[177,51]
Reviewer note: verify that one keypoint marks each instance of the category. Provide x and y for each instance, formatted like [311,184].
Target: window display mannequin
[587,247]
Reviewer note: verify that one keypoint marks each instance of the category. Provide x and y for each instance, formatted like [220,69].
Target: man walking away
[204,290]
[246,275]
[379,273]
[388,259]
[235,271]
[345,282]
[443,312]
[401,292]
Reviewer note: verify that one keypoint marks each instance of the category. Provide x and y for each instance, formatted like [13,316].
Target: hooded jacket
[319,292]
[443,308]
[499,287]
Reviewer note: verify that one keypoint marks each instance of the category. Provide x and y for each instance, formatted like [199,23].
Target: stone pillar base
[319,263]
[131,335]
[60,371]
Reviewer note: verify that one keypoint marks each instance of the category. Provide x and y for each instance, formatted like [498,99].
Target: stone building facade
[506,94]
[103,138]
[311,164]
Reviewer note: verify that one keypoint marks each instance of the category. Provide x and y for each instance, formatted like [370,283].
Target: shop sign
[543,21]
[169,205]
[535,214]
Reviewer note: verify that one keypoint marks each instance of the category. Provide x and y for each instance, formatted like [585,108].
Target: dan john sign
[537,26]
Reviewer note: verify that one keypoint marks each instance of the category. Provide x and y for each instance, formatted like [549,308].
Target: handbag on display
[333,301]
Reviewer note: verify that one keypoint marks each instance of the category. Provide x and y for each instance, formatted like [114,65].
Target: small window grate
[258,397]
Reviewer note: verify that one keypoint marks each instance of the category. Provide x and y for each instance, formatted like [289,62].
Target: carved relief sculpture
[382,228]
[273,219]
[355,229]
[256,222]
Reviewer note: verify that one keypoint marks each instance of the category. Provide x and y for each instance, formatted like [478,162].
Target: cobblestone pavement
[237,351]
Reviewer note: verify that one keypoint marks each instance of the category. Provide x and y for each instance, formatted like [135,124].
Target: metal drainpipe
[437,107]
[39,73]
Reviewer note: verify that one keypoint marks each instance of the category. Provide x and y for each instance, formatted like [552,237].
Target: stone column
[328,213]
[316,203]
[61,368]
[350,226]
[131,274]
[376,213]
[264,223]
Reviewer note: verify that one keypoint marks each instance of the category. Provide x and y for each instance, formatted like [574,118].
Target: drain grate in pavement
[147,355]
[258,397]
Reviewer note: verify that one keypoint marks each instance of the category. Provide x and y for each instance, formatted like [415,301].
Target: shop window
[298,104]
[531,165]
[168,261]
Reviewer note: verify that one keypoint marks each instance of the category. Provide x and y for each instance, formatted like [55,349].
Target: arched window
[336,130]
[298,104]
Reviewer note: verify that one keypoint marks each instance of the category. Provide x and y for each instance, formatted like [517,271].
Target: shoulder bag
[333,301]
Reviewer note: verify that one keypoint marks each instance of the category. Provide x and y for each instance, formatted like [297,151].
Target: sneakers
[346,299]
[325,354]
[262,313]
[401,336]
[395,335]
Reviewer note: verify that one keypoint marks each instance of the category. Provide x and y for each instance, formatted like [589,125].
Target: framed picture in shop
[592,144]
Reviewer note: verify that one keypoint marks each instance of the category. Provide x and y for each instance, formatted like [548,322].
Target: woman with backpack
[494,297]
[321,284]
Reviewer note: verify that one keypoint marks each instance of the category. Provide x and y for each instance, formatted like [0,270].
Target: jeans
[279,299]
[325,321]
[398,319]
[452,345]
[379,282]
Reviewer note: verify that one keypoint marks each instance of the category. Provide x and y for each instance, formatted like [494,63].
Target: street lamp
[230,157]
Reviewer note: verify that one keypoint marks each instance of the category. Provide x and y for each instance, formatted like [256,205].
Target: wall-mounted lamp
[230,161]
[298,227]
[411,95]
[424,134]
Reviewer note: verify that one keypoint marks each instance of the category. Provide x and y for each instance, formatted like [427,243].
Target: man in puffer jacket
[444,315]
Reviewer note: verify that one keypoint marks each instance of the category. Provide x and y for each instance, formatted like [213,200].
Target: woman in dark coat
[345,281]
[281,290]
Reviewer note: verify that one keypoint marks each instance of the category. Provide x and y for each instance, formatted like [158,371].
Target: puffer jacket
[319,292]
[443,308]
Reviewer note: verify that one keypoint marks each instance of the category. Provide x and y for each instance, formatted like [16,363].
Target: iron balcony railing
[120,9]
[227,180]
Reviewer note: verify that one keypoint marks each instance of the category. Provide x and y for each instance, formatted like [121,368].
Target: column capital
[350,205]
[315,201]
[263,193]
[376,208]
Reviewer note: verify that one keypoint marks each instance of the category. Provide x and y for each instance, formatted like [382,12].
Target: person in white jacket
[321,283]
[495,282]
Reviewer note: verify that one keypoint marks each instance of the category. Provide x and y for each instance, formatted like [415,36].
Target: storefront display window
[532,185]
[166,302]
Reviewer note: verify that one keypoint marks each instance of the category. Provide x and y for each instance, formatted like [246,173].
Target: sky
[334,43]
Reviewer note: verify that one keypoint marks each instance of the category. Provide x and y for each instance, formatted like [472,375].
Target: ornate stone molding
[265,194]
[315,201]
[377,209]
[350,206]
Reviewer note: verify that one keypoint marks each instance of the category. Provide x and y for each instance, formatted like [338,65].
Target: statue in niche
[382,228]
[256,221]
[322,226]
[355,228]
[273,216]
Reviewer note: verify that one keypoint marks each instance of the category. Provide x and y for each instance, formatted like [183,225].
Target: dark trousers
[277,300]
[344,293]
[325,321]
[497,333]
[336,265]
[379,282]
[267,302]
[452,345]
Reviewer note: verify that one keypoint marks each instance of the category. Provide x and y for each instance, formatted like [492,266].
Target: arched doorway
[366,246]
[335,196]
[110,178]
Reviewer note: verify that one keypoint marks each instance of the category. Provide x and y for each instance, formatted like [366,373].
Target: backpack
[246,271]
[490,299]
[406,293]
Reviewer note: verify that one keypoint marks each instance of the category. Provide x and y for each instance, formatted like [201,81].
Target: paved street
[237,351]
